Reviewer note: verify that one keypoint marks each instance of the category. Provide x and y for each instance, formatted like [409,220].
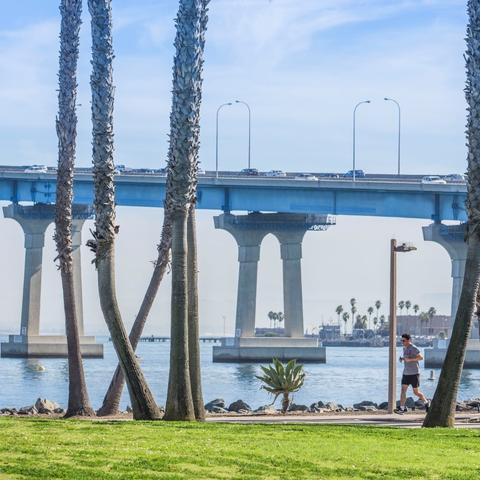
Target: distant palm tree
[364,321]
[358,322]
[345,318]
[375,322]
[279,379]
[280,317]
[370,311]
[378,305]
[401,306]
[353,309]
[416,308]
[270,317]
[408,305]
[423,320]
[382,320]
[275,318]
[431,312]
[339,311]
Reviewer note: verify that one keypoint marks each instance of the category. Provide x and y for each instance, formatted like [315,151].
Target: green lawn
[52,449]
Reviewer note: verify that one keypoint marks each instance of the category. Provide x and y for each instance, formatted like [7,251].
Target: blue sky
[302,65]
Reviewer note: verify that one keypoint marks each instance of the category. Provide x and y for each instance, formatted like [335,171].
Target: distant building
[329,332]
[415,325]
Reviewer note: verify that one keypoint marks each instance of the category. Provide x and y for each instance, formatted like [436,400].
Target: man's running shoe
[427,406]
[401,410]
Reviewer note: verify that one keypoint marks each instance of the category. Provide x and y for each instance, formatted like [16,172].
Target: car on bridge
[275,173]
[433,179]
[306,176]
[455,178]
[358,174]
[36,169]
[252,172]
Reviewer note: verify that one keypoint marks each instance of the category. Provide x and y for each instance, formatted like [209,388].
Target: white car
[306,176]
[433,179]
[275,173]
[36,169]
[455,178]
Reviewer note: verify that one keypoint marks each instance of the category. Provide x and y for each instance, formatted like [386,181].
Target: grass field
[54,449]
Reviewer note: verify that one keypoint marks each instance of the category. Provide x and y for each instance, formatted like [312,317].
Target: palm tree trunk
[442,409]
[111,402]
[193,318]
[143,403]
[71,10]
[179,399]
[285,402]
[78,401]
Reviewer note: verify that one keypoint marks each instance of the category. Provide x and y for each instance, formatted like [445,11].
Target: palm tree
[364,321]
[345,317]
[442,410]
[416,308]
[275,319]
[408,305]
[382,320]
[423,320]
[191,24]
[71,10]
[280,317]
[375,322]
[279,379]
[103,243]
[370,311]
[270,317]
[358,322]
[378,305]
[353,308]
[401,306]
[339,311]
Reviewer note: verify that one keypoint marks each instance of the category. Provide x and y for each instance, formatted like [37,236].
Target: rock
[59,410]
[474,404]
[266,409]
[383,406]
[364,403]
[297,408]
[218,402]
[129,409]
[340,408]
[218,410]
[239,406]
[45,406]
[30,410]
[410,403]
[366,408]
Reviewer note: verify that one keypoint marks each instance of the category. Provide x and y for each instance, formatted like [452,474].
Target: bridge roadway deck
[374,195]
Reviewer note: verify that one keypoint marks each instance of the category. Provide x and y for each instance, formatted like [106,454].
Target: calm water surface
[350,375]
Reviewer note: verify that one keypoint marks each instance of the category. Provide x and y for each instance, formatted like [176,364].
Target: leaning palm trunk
[193,317]
[111,402]
[71,10]
[143,403]
[191,24]
[442,410]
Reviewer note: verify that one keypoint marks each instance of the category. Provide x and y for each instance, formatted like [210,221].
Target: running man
[411,373]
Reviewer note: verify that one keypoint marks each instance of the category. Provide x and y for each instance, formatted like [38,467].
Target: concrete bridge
[286,207]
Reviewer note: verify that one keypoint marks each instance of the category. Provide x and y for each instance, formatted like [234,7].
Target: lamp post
[399,130]
[392,348]
[249,129]
[354,133]
[216,137]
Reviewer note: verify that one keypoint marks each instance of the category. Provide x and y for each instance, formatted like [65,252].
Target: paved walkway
[464,420]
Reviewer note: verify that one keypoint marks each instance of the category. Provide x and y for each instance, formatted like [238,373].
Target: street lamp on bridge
[249,129]
[216,137]
[399,129]
[354,133]
[392,323]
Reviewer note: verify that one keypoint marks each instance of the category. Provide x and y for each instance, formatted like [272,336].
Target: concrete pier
[34,220]
[249,231]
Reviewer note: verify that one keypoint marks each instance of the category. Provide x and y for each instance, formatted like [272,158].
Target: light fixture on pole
[249,129]
[399,130]
[354,133]
[392,323]
[216,137]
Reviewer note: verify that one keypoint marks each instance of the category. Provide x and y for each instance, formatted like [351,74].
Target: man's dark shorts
[413,380]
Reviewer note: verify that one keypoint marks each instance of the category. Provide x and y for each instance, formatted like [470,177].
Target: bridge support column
[34,220]
[249,231]
[451,237]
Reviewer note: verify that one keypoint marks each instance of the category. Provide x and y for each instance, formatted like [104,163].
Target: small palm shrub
[279,379]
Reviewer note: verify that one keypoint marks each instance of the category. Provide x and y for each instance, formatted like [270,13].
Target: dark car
[358,174]
[250,171]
